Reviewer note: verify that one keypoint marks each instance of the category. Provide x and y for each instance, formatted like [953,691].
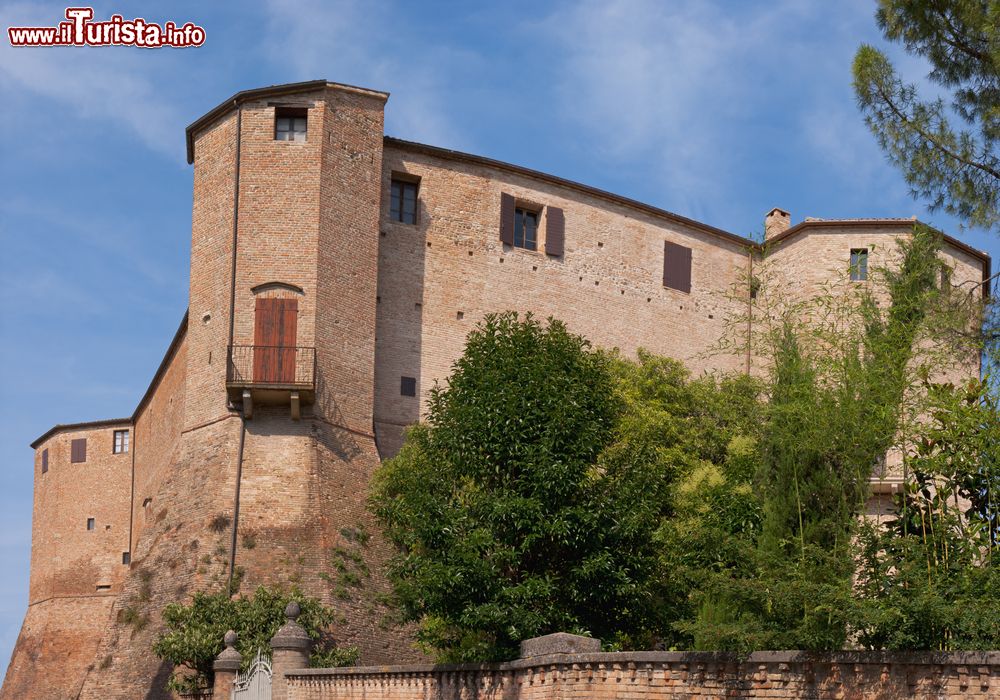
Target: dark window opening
[754,287]
[121,442]
[90,523]
[859,264]
[408,386]
[525,229]
[404,201]
[45,460]
[290,124]
[103,587]
[126,558]
[945,280]
[78,450]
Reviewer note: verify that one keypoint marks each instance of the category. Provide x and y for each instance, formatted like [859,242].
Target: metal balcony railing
[272,366]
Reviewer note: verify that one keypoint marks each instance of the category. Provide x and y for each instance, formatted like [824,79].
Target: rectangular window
[290,124]
[677,267]
[404,201]
[126,558]
[90,523]
[946,280]
[525,229]
[408,386]
[121,442]
[78,450]
[45,460]
[102,587]
[859,264]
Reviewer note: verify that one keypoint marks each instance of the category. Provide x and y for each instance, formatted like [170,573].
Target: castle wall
[158,427]
[379,300]
[211,273]
[67,559]
[437,278]
[76,573]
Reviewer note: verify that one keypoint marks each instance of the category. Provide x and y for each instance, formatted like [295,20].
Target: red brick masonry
[660,675]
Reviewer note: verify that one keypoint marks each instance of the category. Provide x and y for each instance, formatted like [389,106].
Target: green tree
[193,636]
[930,576]
[842,395]
[946,152]
[506,525]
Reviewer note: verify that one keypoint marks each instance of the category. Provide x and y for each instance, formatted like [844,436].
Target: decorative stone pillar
[289,651]
[226,666]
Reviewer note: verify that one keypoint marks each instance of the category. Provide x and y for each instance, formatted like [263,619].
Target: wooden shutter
[288,317]
[676,267]
[274,337]
[45,460]
[555,230]
[507,218]
[78,450]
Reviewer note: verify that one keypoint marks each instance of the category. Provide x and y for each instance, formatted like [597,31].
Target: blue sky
[715,110]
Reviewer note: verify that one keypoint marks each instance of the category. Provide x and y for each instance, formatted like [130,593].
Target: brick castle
[335,273]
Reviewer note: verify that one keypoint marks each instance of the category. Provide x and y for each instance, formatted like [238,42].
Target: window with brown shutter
[78,450]
[677,267]
[45,460]
[507,218]
[555,230]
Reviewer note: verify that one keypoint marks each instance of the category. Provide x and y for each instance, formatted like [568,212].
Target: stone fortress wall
[382,302]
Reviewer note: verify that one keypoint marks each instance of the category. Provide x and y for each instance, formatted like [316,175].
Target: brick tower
[275,439]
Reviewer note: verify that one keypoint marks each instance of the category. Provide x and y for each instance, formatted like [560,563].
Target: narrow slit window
[90,523]
[121,442]
[859,264]
[525,229]
[404,201]
[290,124]
[45,460]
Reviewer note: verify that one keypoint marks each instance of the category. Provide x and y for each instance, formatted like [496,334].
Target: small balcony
[271,375]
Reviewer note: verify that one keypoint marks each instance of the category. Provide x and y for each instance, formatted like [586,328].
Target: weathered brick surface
[378,300]
[668,675]
[57,647]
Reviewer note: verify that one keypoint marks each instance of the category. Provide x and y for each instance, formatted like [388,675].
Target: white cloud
[112,83]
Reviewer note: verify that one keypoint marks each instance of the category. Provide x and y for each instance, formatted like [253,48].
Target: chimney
[777,221]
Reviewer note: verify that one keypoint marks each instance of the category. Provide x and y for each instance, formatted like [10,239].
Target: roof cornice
[270,91]
[569,184]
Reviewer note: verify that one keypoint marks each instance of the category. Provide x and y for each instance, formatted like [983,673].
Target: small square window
[121,442]
[403,201]
[90,523]
[859,264]
[525,229]
[408,386]
[290,124]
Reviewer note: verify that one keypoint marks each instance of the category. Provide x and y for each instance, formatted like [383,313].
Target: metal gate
[255,682]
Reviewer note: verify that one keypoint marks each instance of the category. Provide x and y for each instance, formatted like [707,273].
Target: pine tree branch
[927,137]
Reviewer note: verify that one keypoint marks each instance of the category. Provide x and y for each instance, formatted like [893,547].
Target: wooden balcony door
[274,341]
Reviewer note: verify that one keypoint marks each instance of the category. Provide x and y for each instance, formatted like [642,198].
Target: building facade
[335,273]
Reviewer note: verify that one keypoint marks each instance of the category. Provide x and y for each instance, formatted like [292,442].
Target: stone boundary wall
[662,675]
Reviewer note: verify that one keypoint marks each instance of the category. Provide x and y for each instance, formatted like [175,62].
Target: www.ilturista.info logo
[117,31]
